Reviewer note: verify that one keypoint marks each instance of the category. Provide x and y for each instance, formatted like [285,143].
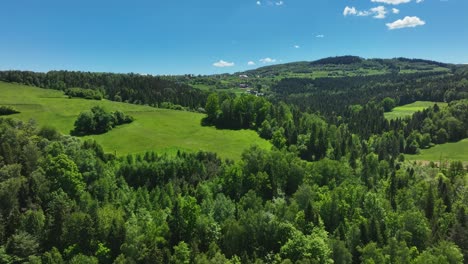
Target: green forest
[336,187]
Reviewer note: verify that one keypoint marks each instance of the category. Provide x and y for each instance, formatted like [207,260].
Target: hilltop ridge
[351,64]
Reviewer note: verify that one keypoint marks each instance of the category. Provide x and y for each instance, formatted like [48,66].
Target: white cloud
[250,63]
[377,12]
[419,1]
[413,21]
[395,11]
[222,64]
[270,2]
[297,46]
[267,60]
[363,13]
[392,2]
[320,36]
[349,11]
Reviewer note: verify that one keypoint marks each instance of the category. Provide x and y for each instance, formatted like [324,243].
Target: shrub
[7,110]
[99,121]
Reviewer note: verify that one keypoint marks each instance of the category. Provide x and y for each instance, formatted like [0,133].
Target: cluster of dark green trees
[99,121]
[132,88]
[62,200]
[7,110]
[84,93]
[314,138]
[332,96]
[236,112]
[435,125]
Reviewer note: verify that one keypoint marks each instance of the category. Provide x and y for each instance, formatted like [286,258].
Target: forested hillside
[133,88]
[314,138]
[331,96]
[351,66]
[64,200]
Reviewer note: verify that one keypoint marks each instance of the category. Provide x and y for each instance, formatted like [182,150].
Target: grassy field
[155,129]
[444,152]
[410,109]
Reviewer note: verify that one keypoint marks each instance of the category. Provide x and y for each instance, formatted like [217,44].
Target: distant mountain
[343,60]
[349,66]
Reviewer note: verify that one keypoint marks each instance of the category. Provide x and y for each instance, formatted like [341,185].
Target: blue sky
[215,36]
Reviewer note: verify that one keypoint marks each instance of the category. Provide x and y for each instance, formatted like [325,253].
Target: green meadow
[410,109]
[445,152]
[154,129]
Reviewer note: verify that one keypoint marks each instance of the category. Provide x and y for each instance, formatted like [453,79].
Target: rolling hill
[274,79]
[348,66]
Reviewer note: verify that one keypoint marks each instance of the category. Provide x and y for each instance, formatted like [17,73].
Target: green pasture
[155,129]
[410,109]
[444,152]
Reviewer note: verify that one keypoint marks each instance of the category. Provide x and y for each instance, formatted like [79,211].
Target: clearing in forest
[161,130]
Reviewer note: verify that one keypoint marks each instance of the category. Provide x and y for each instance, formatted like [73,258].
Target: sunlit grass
[155,129]
[410,109]
[444,152]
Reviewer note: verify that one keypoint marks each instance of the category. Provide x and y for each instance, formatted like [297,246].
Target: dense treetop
[65,201]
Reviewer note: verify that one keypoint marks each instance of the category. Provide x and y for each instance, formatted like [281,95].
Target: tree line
[132,88]
[84,93]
